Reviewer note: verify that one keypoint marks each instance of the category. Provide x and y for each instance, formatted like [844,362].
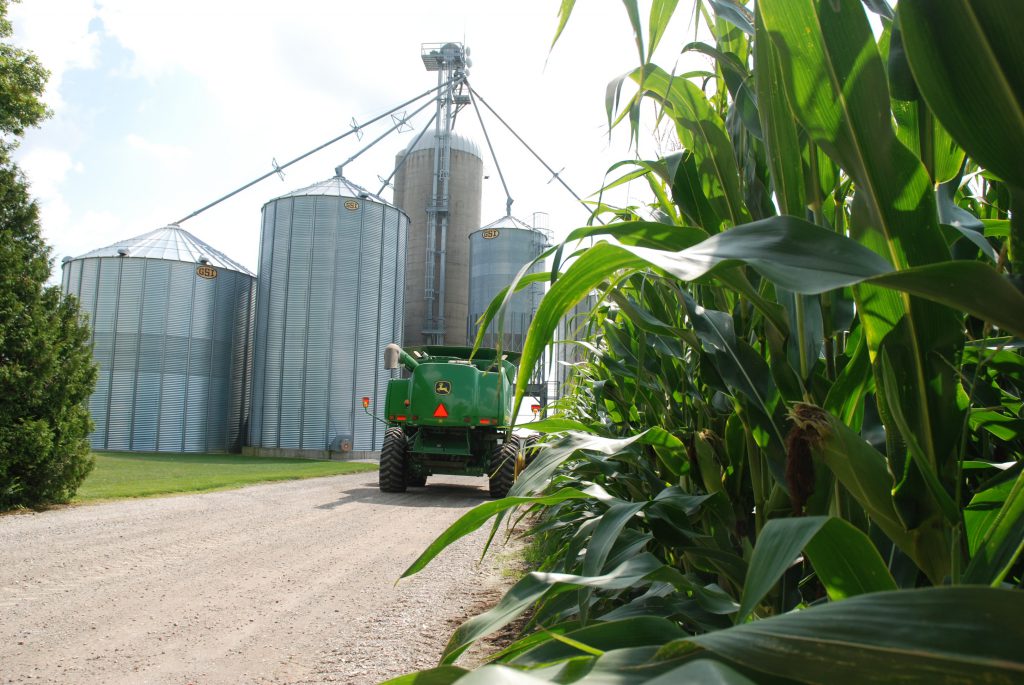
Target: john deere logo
[351,205]
[443,387]
[491,233]
[206,272]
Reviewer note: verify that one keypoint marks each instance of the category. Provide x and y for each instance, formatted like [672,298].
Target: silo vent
[122,252]
[339,170]
[65,260]
[203,259]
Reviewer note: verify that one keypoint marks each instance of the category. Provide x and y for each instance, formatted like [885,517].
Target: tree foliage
[22,80]
[46,368]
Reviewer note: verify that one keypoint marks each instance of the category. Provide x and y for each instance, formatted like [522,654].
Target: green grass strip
[132,474]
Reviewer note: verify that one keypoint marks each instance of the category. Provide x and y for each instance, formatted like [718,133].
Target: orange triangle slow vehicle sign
[440,412]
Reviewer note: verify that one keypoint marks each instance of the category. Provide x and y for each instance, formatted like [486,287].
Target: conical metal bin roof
[171,243]
[508,222]
[336,186]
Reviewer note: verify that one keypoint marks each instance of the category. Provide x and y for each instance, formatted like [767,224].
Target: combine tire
[502,468]
[416,481]
[529,454]
[392,461]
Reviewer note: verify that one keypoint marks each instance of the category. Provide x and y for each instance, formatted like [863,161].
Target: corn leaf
[864,473]
[845,398]
[704,671]
[844,558]
[982,84]
[557,424]
[564,12]
[612,522]
[531,587]
[604,636]
[778,125]
[644,233]
[501,675]
[926,636]
[1003,540]
[661,13]
[634,19]
[972,287]
[480,514]
[916,127]
[735,14]
[701,130]
[837,86]
[739,366]
[442,675]
[688,192]
[496,306]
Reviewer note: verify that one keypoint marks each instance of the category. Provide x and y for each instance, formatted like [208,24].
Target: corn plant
[793,452]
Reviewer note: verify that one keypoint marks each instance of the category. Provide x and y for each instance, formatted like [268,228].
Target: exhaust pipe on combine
[393,354]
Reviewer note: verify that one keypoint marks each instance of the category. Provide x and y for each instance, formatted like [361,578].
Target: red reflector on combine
[400,417]
[485,421]
[440,412]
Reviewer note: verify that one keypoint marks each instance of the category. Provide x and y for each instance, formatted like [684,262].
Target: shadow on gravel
[445,495]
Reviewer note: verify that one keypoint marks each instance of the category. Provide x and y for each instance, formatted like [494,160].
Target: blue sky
[162,107]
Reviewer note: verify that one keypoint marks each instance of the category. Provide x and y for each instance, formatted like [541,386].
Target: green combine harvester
[451,416]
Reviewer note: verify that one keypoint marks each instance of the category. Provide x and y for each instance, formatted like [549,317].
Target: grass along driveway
[133,474]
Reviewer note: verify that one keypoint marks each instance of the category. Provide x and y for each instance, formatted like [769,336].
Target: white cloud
[87,232]
[163,152]
[46,168]
[59,34]
[92,230]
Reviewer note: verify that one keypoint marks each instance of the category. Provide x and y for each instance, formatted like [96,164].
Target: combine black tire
[502,468]
[416,481]
[529,449]
[392,461]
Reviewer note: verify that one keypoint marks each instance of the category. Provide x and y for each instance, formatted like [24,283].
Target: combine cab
[451,416]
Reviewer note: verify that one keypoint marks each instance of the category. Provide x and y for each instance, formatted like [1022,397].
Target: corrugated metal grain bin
[171,322]
[496,254]
[330,295]
[572,327]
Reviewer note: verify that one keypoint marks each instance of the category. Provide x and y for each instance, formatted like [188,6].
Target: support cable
[278,168]
[412,146]
[508,196]
[401,122]
[554,174]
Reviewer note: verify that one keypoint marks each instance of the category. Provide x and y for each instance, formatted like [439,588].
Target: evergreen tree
[46,368]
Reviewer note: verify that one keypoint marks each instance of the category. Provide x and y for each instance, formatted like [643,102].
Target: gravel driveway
[282,583]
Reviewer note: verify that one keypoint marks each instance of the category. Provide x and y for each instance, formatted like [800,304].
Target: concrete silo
[437,273]
[496,254]
[171,322]
[330,294]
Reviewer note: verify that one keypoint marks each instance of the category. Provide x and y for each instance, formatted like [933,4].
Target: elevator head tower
[438,183]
